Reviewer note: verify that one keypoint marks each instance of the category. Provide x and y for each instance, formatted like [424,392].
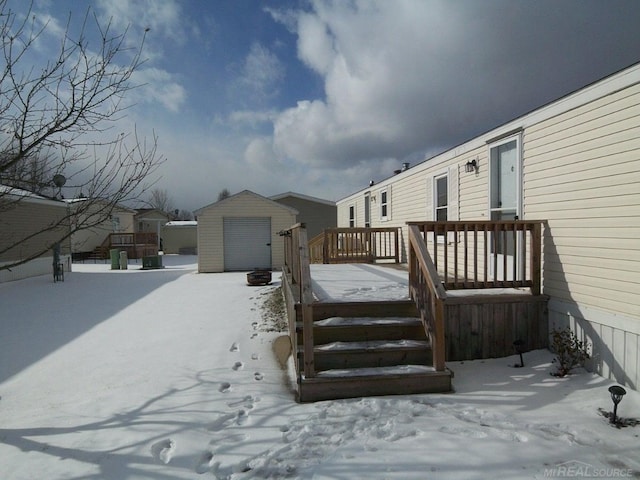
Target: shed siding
[182,239]
[315,215]
[211,234]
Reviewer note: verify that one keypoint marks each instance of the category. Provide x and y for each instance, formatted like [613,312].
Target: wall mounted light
[471,166]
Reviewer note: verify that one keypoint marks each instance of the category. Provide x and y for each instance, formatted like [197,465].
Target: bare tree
[224,193]
[160,199]
[185,215]
[57,119]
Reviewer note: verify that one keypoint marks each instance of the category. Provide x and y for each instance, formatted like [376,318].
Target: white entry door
[247,243]
[505,187]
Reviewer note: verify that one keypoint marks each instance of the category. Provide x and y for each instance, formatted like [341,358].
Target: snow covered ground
[170,374]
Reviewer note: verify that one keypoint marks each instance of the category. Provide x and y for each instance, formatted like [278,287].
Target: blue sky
[321,96]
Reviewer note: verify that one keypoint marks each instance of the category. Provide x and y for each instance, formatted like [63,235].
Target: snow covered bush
[570,351]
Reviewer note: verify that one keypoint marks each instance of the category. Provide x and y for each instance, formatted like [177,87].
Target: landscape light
[617,392]
[518,345]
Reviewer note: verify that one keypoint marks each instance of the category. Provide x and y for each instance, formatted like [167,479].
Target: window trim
[434,203]
[352,216]
[385,205]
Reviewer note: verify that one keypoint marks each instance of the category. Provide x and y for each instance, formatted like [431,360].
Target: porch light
[471,166]
[617,392]
[518,345]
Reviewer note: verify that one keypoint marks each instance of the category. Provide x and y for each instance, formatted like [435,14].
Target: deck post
[438,337]
[536,258]
[306,300]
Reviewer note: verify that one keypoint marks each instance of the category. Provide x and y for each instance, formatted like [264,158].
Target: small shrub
[571,352]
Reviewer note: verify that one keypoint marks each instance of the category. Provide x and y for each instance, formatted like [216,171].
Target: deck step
[362,382]
[352,329]
[377,353]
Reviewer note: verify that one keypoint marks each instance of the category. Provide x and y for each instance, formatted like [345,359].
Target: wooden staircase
[364,349]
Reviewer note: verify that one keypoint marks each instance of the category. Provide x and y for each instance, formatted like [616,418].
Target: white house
[30,225]
[574,164]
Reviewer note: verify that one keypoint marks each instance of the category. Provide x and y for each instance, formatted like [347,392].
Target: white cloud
[417,75]
[164,16]
[158,86]
[252,118]
[260,75]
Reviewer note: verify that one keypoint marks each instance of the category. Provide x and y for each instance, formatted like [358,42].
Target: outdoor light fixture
[617,392]
[518,345]
[471,166]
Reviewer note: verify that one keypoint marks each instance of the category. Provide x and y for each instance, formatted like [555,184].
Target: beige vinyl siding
[21,220]
[582,174]
[86,240]
[243,204]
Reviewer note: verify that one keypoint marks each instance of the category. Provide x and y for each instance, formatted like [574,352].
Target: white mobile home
[573,164]
[30,225]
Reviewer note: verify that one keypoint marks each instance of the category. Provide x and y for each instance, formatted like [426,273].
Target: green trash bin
[114,254]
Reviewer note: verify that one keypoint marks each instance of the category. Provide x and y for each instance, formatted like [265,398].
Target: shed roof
[246,193]
[302,196]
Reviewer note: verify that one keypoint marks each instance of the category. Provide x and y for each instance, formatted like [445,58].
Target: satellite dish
[59,180]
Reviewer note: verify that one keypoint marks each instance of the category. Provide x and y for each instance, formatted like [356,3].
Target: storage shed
[317,214]
[240,233]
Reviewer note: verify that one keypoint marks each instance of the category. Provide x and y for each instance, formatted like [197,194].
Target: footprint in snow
[221,423]
[255,356]
[238,366]
[258,376]
[234,347]
[163,450]
[225,387]
[205,463]
[248,401]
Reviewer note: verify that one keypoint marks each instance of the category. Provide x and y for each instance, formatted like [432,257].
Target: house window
[115,223]
[367,210]
[384,205]
[441,198]
[352,216]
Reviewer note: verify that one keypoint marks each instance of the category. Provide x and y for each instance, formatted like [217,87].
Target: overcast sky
[320,97]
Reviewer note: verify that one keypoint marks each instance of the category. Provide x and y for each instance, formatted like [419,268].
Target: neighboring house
[22,216]
[575,164]
[180,237]
[241,232]
[151,220]
[316,213]
[85,242]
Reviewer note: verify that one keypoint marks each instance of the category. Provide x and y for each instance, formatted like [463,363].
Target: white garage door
[247,243]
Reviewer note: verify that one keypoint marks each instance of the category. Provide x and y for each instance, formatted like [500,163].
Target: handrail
[316,248]
[429,295]
[486,254]
[297,266]
[361,245]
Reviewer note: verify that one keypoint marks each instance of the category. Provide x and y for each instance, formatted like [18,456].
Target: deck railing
[137,245]
[429,295]
[356,245]
[297,268]
[485,254]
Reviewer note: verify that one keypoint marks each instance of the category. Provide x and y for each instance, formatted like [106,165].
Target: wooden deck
[360,330]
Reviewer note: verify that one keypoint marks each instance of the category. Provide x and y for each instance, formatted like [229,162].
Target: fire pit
[259,277]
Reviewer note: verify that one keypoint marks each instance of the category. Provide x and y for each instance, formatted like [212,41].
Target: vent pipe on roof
[405,166]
